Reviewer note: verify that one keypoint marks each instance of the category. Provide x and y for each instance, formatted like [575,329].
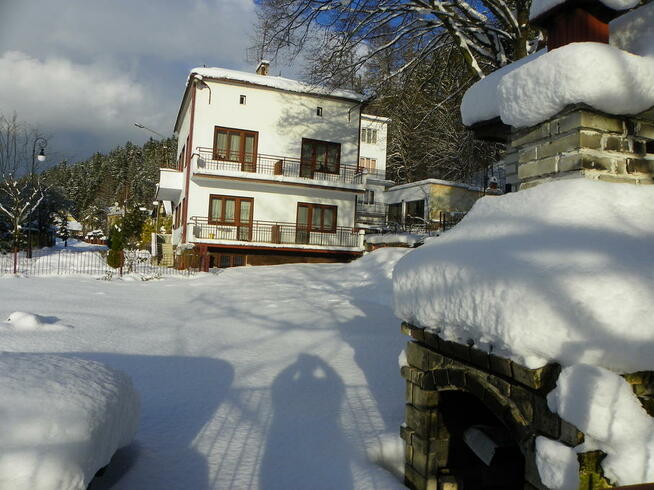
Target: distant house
[428,202]
[270,170]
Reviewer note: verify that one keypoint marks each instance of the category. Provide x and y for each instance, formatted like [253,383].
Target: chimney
[573,21]
[262,69]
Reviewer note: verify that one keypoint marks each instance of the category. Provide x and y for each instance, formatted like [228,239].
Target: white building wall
[378,149]
[281,118]
[272,202]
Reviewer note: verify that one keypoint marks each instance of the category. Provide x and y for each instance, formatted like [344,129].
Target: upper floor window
[319,156]
[369,164]
[319,111]
[368,135]
[181,161]
[236,145]
[242,99]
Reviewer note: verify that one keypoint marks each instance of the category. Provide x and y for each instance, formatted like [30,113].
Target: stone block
[570,435]
[431,340]
[479,358]
[594,140]
[644,130]
[613,143]
[421,398]
[500,365]
[422,421]
[455,350]
[503,387]
[531,135]
[412,331]
[538,168]
[601,122]
[546,422]
[562,144]
[528,154]
[640,165]
[543,378]
[524,401]
[418,356]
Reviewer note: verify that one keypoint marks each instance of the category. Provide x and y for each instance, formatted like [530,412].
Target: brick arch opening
[482,451]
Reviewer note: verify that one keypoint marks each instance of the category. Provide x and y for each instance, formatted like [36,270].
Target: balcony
[278,169]
[170,183]
[278,235]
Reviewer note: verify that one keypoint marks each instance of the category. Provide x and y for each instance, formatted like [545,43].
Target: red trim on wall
[188,162]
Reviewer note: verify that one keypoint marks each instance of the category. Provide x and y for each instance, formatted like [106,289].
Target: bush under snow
[62,420]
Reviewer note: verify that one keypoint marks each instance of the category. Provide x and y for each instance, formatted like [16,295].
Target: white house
[371,210]
[267,169]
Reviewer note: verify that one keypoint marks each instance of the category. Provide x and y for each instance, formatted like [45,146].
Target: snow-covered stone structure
[529,364]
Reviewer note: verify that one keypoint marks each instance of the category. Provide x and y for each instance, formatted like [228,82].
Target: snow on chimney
[263,67]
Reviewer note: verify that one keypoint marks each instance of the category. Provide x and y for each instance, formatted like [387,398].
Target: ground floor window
[316,217]
[222,261]
[415,212]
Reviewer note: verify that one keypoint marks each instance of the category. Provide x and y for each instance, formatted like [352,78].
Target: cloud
[66,96]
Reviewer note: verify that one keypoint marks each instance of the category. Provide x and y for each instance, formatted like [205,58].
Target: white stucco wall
[272,202]
[281,118]
[377,150]
[407,193]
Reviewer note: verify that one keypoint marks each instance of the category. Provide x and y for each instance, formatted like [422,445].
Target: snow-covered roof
[376,118]
[539,7]
[279,83]
[536,88]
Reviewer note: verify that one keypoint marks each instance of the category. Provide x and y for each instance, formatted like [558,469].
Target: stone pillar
[583,142]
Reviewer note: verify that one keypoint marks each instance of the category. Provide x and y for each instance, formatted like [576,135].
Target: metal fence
[93,263]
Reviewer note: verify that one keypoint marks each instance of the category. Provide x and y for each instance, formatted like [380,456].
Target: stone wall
[583,141]
[515,395]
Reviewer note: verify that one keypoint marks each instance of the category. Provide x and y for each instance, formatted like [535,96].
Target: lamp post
[42,143]
[139,125]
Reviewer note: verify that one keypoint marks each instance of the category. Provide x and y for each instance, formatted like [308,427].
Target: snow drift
[62,420]
[560,272]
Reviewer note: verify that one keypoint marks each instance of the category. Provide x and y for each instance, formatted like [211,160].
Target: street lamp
[139,125]
[42,142]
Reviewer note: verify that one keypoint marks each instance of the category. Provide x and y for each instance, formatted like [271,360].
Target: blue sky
[83,71]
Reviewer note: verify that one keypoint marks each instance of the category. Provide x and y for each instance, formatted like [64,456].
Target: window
[242,99]
[369,197]
[236,145]
[181,161]
[395,212]
[369,135]
[415,211]
[319,111]
[319,156]
[368,163]
[232,211]
[316,217]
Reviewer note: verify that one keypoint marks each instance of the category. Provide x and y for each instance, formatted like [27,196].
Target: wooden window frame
[369,135]
[310,227]
[312,164]
[237,211]
[241,150]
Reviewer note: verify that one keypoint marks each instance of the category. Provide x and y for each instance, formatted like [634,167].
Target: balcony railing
[274,233]
[280,166]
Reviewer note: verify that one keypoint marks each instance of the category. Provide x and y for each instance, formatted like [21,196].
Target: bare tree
[349,34]
[18,200]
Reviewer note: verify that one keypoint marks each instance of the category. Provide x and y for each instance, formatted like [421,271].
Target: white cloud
[61,95]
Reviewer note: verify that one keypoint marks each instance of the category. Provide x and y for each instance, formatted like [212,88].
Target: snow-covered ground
[279,377]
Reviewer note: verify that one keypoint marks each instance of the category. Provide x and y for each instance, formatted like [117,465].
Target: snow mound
[557,464]
[63,419]
[23,321]
[388,452]
[602,405]
[479,103]
[559,272]
[539,7]
[540,89]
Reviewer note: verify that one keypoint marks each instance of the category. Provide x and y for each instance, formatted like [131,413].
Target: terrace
[276,234]
[278,168]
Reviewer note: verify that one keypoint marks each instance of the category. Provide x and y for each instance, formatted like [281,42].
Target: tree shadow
[179,395]
[306,447]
